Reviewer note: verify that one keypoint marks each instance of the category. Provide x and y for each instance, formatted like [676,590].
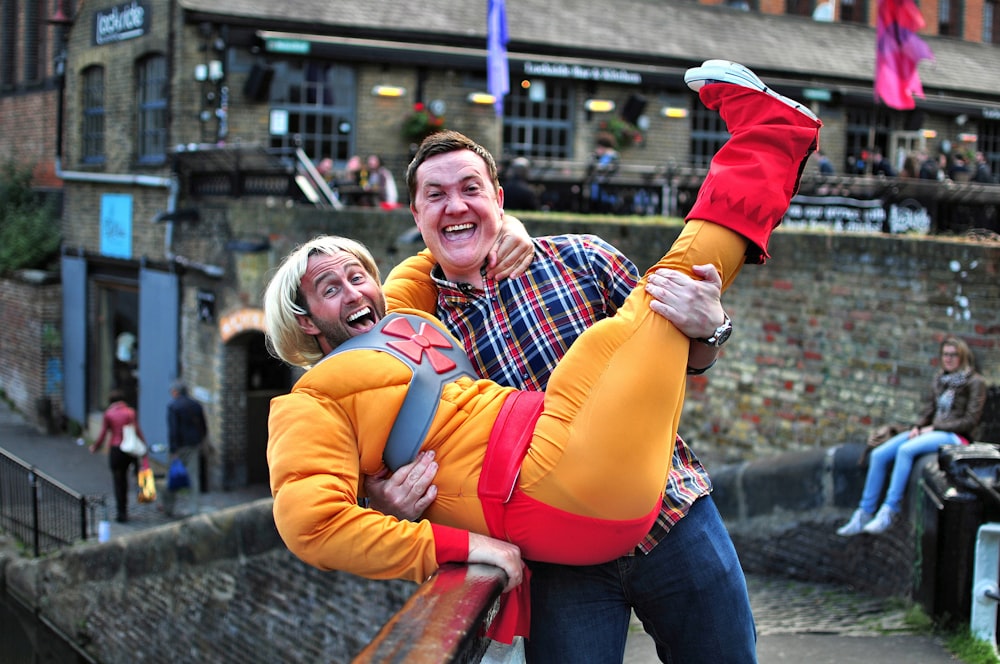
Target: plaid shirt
[517,330]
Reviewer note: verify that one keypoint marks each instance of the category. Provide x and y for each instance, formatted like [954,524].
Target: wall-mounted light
[968,138]
[388,91]
[484,98]
[599,105]
[674,112]
[929,133]
[201,72]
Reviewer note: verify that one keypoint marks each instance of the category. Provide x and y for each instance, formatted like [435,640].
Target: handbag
[131,443]
[177,476]
[877,437]
[147,483]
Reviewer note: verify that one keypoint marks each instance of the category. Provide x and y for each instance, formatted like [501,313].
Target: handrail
[441,621]
[38,510]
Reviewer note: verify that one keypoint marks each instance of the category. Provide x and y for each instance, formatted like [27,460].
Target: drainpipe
[163,182]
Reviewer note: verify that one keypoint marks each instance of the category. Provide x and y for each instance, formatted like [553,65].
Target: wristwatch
[721,333]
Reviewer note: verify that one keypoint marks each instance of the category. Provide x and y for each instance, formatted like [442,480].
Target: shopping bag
[147,483]
[131,443]
[177,476]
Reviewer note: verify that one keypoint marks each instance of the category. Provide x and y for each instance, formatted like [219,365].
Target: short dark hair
[179,387]
[444,142]
[115,395]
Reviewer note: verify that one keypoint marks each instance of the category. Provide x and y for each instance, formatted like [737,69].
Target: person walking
[949,417]
[116,417]
[186,429]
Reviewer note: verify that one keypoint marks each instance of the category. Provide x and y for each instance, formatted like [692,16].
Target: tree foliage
[29,229]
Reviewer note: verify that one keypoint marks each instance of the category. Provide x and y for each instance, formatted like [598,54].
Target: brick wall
[215,588]
[30,347]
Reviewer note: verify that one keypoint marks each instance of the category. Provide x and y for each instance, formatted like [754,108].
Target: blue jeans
[899,451]
[689,592]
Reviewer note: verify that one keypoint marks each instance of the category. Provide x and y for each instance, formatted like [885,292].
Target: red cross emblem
[416,344]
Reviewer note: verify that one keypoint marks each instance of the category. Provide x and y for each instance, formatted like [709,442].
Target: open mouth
[362,319]
[460,230]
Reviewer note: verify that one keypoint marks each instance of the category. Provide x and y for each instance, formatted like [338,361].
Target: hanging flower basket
[625,133]
[421,123]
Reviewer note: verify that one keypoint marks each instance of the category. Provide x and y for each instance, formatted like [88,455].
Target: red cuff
[451,545]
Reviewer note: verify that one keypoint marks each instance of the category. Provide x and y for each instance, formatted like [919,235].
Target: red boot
[754,175]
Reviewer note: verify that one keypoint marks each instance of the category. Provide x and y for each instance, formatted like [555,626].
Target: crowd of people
[367,183]
[951,165]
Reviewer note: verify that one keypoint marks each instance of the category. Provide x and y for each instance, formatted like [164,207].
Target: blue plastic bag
[177,476]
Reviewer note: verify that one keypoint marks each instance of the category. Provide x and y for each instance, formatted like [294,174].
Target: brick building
[191,128]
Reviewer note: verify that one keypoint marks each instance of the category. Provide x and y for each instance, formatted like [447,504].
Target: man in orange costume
[554,482]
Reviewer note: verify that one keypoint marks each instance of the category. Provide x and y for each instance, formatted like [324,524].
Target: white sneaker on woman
[858,521]
[883,519]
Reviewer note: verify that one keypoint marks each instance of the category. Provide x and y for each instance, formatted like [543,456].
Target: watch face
[722,335]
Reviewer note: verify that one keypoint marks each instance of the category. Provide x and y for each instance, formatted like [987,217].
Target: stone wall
[220,587]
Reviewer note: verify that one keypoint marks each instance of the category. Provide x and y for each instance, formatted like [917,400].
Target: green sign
[816,94]
[299,46]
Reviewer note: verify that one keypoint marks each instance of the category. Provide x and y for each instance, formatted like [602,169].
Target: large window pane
[152,110]
[92,130]
[538,120]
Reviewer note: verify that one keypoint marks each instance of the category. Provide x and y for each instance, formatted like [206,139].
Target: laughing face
[458,212]
[342,299]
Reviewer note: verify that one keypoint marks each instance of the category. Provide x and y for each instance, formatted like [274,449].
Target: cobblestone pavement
[813,623]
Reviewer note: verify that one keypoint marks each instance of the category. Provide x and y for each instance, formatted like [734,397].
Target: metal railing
[39,511]
[441,621]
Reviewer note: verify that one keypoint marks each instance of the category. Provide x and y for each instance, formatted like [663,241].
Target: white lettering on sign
[582,72]
[126,21]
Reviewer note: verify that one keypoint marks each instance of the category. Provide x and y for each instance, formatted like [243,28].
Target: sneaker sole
[724,71]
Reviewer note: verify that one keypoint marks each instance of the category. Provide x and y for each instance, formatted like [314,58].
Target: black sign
[125,21]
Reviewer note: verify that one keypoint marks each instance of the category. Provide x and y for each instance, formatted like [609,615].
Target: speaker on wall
[258,85]
[634,107]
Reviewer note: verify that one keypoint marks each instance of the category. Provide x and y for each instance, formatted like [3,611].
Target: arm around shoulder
[409,285]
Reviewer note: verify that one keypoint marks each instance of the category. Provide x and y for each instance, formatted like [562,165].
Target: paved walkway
[797,622]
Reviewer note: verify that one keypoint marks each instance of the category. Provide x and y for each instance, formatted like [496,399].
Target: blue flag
[497,71]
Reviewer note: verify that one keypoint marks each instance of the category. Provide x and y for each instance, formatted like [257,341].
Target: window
[799,7]
[8,43]
[860,122]
[991,22]
[538,120]
[92,124]
[989,143]
[320,100]
[708,133]
[152,110]
[854,11]
[33,43]
[950,18]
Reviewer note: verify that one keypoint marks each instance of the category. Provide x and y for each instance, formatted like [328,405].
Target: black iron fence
[39,511]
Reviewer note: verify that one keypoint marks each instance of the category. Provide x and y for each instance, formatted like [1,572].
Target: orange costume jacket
[598,454]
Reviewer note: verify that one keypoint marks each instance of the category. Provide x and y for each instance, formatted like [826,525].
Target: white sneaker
[724,71]
[858,521]
[883,519]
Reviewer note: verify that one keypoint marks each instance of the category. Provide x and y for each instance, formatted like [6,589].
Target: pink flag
[898,52]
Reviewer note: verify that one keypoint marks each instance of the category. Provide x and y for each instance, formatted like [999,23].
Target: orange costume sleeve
[409,285]
[316,457]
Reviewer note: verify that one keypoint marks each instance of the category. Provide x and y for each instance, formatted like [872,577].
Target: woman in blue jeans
[950,416]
